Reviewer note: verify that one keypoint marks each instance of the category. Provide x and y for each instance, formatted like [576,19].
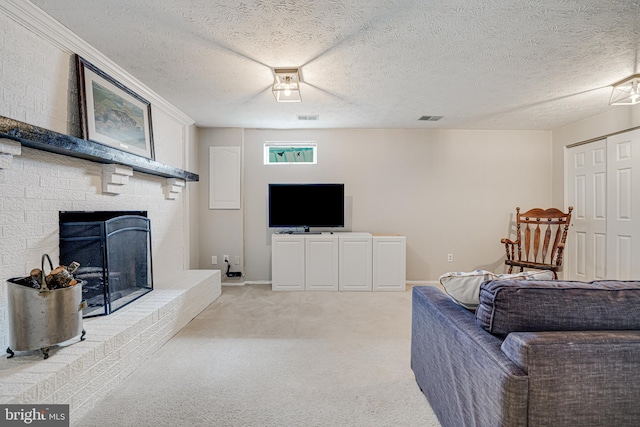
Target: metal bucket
[42,318]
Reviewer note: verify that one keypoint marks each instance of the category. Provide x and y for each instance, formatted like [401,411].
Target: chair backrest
[530,226]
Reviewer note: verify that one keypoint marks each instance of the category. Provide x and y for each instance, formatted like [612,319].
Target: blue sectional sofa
[535,353]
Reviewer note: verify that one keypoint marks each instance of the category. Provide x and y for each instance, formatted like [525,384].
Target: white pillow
[464,288]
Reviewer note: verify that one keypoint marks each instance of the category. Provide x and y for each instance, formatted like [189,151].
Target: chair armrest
[510,248]
[579,378]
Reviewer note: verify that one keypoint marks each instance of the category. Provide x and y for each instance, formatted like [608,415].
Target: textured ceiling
[482,64]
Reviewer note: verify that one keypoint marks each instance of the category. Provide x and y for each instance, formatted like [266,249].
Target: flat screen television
[306,205]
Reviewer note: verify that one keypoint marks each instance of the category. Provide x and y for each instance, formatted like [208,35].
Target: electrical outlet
[225,258]
[214,260]
[236,260]
[450,257]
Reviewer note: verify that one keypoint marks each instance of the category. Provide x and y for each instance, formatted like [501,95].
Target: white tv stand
[340,261]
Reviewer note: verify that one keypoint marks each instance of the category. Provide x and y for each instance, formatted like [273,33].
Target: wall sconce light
[626,92]
[286,85]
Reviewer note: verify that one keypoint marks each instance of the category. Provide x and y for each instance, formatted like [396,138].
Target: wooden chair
[531,249]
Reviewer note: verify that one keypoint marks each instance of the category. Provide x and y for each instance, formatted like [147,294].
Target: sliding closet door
[585,255]
[623,225]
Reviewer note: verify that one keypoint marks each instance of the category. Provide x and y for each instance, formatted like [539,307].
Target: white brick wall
[38,86]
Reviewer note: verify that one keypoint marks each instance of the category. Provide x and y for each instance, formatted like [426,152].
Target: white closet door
[585,255]
[623,225]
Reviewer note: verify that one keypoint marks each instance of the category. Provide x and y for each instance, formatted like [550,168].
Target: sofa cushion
[532,306]
[464,288]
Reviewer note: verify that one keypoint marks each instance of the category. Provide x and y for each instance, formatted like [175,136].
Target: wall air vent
[308,117]
[430,118]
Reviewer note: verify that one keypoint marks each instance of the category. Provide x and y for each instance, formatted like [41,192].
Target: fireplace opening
[114,252]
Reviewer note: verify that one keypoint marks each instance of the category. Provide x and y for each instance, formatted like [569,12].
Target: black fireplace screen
[114,252]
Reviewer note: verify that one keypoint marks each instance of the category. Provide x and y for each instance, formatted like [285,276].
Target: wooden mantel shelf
[46,140]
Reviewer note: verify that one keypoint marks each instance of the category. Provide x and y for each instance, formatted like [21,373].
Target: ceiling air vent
[309,117]
[430,118]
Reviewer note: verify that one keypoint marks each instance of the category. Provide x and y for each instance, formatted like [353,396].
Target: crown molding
[36,20]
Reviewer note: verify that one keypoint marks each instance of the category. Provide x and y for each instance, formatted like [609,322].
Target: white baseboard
[268,282]
[423,282]
[258,282]
[247,282]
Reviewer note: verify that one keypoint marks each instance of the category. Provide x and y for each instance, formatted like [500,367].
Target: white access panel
[287,262]
[389,263]
[321,262]
[356,262]
[224,177]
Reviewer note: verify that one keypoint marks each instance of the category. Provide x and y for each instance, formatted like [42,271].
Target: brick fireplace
[39,87]
[33,192]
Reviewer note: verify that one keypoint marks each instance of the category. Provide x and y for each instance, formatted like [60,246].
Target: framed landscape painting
[112,114]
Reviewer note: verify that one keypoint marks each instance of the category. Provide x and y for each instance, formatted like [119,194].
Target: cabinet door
[287,263]
[355,266]
[389,263]
[321,263]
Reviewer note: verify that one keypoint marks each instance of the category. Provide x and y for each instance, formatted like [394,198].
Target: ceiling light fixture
[626,92]
[286,85]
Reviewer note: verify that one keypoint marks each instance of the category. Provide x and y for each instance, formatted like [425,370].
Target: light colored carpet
[261,358]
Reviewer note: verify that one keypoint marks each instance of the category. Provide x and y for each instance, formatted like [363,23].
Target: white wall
[38,86]
[448,191]
[221,230]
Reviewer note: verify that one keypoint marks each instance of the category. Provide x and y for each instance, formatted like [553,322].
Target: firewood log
[36,274]
[59,278]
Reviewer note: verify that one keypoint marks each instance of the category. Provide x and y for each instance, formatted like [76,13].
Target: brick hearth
[81,373]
